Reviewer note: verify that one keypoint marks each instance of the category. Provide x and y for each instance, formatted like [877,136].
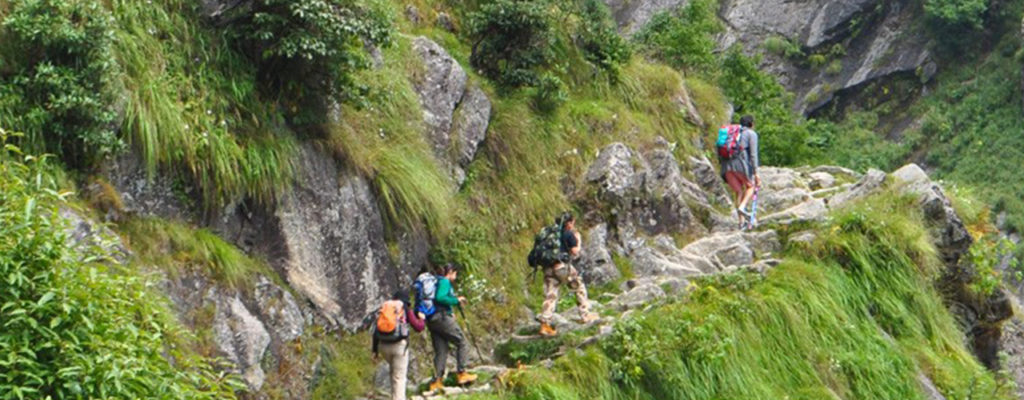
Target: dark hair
[402,295]
[747,121]
[447,269]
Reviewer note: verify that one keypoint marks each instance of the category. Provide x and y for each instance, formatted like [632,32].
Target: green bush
[512,41]
[312,47]
[75,326]
[549,94]
[600,39]
[684,40]
[56,77]
[783,137]
[957,13]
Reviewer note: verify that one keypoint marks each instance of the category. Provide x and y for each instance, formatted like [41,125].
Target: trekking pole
[753,208]
[469,333]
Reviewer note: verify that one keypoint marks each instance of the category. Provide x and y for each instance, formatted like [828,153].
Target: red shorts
[737,181]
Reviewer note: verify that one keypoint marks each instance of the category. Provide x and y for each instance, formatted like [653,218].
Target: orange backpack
[391,323]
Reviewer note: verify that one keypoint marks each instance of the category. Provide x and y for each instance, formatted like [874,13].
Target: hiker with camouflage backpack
[738,155]
[554,249]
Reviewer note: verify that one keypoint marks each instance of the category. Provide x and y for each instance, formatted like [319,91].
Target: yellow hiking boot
[465,378]
[435,386]
[547,330]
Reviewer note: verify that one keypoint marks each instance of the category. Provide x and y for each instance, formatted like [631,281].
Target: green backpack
[547,247]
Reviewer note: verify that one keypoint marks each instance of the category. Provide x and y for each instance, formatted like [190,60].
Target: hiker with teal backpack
[391,339]
[444,331]
[738,155]
[555,247]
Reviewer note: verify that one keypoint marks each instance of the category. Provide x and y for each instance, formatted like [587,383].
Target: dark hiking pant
[444,331]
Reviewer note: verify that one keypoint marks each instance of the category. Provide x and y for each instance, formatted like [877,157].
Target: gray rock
[217,9]
[596,263]
[91,237]
[836,171]
[445,21]
[733,248]
[332,240]
[669,195]
[709,179]
[456,114]
[930,391]
[648,262]
[278,308]
[771,201]
[1011,343]
[637,297]
[821,180]
[879,39]
[471,121]
[687,107]
[806,237]
[632,15]
[777,179]
[954,239]
[808,211]
[613,172]
[412,14]
[910,173]
[242,338]
[144,195]
[867,185]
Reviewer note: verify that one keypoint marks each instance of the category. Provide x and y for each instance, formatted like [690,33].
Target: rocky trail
[643,206]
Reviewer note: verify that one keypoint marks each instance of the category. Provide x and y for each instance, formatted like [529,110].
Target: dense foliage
[599,38]
[74,325]
[957,13]
[512,41]
[683,38]
[57,77]
[312,47]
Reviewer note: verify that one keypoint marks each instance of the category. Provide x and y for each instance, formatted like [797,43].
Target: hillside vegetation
[221,100]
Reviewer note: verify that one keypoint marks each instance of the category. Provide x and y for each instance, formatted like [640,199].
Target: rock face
[333,241]
[456,114]
[879,40]
[142,194]
[242,338]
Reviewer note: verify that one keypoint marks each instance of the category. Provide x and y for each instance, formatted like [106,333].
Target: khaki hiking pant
[563,273]
[397,356]
[444,331]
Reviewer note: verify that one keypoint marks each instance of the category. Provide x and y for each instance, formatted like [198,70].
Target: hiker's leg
[547,310]
[577,285]
[449,329]
[397,356]
[440,347]
[748,194]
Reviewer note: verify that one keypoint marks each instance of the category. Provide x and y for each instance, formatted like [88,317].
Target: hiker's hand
[757,180]
[461,299]
[376,357]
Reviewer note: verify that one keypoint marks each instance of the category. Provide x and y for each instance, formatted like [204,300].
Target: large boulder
[596,264]
[868,184]
[809,211]
[456,114]
[331,235]
[242,338]
[278,308]
[709,179]
[143,194]
[613,173]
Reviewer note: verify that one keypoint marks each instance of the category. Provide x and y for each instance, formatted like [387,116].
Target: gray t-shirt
[746,162]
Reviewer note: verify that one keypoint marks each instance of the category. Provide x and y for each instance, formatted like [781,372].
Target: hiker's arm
[575,250]
[754,163]
[444,294]
[375,344]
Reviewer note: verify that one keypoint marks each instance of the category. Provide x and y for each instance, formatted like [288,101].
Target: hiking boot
[435,386]
[547,330]
[588,318]
[465,378]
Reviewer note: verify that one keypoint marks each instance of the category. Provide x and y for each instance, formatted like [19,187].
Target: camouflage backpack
[547,247]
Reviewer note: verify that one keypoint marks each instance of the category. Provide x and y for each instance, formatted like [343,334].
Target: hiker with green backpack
[555,247]
[738,155]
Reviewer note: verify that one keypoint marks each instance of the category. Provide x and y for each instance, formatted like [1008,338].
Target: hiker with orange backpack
[391,338]
[738,155]
[444,331]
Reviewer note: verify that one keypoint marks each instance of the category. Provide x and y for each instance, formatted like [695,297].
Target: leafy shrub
[684,39]
[312,46]
[549,93]
[600,40]
[781,46]
[75,327]
[56,77]
[957,13]
[512,41]
[783,139]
